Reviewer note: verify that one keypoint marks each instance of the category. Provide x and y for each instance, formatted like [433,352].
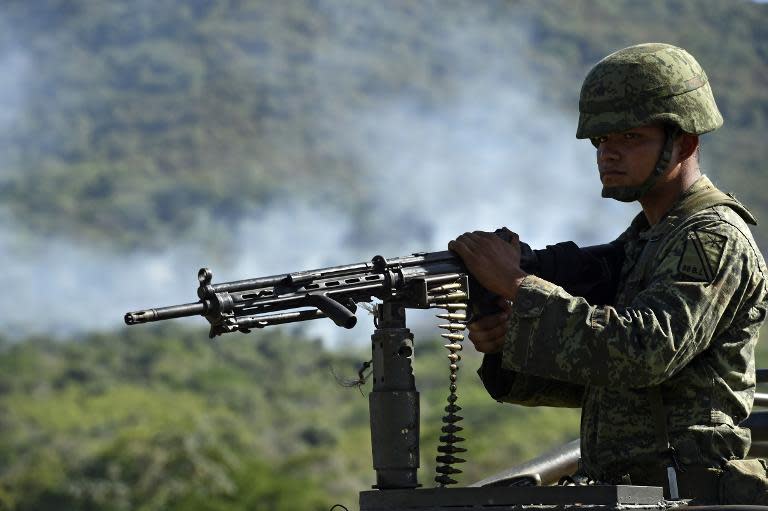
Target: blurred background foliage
[157,418]
[138,120]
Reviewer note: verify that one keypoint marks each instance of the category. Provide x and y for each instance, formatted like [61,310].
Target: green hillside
[160,419]
[127,123]
[163,419]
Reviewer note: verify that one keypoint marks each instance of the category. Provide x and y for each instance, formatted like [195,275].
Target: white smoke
[15,65]
[530,174]
[456,176]
[493,154]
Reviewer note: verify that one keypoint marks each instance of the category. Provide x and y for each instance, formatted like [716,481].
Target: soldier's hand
[489,333]
[495,263]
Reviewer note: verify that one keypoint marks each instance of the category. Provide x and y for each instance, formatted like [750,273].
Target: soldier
[664,373]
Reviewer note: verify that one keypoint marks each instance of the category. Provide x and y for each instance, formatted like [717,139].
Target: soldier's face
[629,157]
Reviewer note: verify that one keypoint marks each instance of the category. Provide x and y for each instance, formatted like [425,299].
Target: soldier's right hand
[489,333]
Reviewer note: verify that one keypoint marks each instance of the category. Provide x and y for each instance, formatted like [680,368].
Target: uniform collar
[644,231]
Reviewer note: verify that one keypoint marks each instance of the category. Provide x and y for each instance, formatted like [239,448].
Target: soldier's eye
[629,136]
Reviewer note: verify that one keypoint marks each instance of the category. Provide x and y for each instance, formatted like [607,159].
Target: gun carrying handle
[340,315]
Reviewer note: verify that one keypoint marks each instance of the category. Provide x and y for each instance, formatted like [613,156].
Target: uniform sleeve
[527,390]
[694,277]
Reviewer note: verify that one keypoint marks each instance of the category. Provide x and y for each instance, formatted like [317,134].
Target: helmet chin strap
[633,193]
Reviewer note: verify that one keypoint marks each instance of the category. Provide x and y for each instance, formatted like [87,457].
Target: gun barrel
[174,311]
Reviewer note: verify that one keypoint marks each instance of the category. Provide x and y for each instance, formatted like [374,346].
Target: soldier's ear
[689,144]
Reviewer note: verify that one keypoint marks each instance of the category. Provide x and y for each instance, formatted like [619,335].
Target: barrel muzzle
[145,316]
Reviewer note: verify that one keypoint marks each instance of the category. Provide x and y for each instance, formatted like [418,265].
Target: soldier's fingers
[471,240]
[491,321]
[459,246]
[511,235]
[466,238]
[504,305]
[490,346]
[488,334]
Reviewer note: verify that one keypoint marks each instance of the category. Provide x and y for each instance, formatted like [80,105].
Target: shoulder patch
[701,255]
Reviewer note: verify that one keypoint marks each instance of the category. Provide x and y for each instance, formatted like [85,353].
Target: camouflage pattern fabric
[744,482]
[691,299]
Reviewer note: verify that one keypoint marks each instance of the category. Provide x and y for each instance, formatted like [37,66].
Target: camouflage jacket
[691,298]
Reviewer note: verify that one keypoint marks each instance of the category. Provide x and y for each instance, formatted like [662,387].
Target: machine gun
[436,280]
[418,281]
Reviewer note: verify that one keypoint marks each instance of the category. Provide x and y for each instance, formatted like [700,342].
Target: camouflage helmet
[643,84]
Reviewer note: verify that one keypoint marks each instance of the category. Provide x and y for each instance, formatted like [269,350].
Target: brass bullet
[450,449]
[452,408]
[444,480]
[451,429]
[453,327]
[444,288]
[448,459]
[453,316]
[450,297]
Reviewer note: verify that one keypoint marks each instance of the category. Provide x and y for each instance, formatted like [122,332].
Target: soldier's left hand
[495,263]
[489,333]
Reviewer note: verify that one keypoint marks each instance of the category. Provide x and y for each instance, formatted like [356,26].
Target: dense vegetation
[161,419]
[158,419]
[130,122]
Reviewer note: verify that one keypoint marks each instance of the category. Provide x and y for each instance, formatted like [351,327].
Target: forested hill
[129,122]
[144,123]
[159,419]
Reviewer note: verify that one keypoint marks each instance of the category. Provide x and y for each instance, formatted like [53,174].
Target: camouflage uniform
[691,298]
